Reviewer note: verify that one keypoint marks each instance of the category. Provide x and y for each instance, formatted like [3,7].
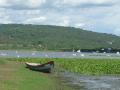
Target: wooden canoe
[46,67]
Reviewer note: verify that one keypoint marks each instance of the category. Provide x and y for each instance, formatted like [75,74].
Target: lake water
[37,54]
[82,82]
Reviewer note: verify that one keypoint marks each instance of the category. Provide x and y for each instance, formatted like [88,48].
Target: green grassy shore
[84,66]
[14,75]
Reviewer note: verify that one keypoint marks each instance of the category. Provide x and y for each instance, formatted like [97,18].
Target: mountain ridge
[47,37]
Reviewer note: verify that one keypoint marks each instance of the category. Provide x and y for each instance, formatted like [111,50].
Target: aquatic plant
[82,66]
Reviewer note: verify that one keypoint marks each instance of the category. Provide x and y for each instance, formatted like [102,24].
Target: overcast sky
[96,15]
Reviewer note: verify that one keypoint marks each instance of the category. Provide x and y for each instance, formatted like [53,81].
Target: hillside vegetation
[45,37]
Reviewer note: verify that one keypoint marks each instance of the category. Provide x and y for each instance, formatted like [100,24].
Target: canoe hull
[47,67]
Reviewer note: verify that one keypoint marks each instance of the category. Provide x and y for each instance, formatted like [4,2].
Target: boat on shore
[46,67]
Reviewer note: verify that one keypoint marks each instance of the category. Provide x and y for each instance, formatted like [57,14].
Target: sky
[95,15]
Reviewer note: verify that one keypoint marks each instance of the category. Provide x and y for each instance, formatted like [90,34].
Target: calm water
[10,53]
[80,82]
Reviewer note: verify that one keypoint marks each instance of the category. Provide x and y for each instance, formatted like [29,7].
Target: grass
[2,61]
[84,66]
[14,76]
[91,67]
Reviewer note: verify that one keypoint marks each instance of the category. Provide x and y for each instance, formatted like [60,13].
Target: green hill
[45,37]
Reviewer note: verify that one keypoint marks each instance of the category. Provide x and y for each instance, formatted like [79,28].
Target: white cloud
[63,23]
[35,3]
[117,31]
[37,20]
[79,25]
[21,4]
[89,14]
[84,2]
[4,3]
[5,18]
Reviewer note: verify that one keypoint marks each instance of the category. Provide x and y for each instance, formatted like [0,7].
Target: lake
[84,82]
[38,54]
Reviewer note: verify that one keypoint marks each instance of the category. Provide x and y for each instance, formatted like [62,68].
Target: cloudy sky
[96,15]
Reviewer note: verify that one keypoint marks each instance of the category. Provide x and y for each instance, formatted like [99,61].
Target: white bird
[46,55]
[18,56]
[82,55]
[33,53]
[74,54]
[117,52]
[78,51]
[108,55]
[3,54]
[104,52]
[102,49]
